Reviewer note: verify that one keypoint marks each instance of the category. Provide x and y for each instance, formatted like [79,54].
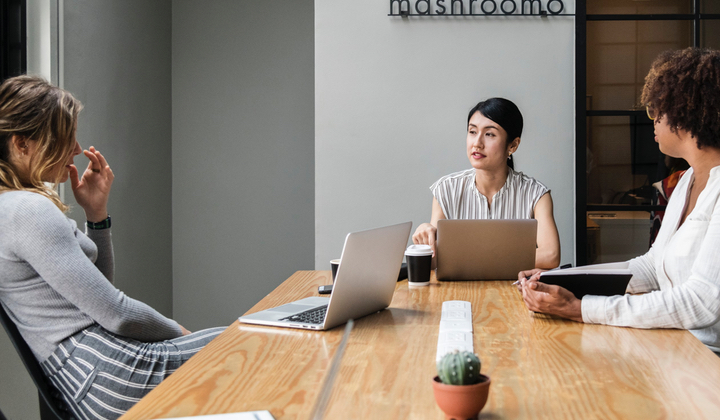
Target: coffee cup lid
[418,250]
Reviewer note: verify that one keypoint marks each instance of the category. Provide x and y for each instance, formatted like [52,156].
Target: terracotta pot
[461,402]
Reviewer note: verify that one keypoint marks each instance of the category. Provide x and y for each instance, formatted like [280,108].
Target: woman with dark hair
[100,349]
[492,189]
[679,277]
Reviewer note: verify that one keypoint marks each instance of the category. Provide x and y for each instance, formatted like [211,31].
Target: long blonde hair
[33,109]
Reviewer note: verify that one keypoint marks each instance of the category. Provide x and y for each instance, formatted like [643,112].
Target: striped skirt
[101,375]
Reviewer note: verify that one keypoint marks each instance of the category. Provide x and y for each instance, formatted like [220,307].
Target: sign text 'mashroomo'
[475,7]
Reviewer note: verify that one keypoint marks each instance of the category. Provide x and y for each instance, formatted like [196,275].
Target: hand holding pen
[535,274]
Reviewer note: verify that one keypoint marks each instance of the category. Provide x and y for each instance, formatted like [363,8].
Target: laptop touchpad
[292,308]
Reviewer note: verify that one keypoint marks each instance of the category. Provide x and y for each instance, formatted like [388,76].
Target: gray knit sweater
[55,281]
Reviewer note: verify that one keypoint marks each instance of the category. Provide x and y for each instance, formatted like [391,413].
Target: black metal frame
[13,38]
[581,113]
[580,132]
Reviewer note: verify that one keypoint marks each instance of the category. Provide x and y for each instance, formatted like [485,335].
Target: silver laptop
[485,249]
[364,283]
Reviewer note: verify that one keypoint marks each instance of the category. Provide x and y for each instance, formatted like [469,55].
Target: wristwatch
[105,224]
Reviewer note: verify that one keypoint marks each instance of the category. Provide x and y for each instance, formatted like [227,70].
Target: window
[617,159]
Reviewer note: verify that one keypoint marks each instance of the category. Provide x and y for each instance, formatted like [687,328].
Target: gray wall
[392,97]
[242,124]
[205,111]
[117,62]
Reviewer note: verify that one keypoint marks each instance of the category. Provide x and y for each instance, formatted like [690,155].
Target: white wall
[242,153]
[39,39]
[392,97]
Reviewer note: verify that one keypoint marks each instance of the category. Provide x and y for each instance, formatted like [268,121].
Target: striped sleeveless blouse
[460,199]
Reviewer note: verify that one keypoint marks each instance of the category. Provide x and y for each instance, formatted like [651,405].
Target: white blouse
[681,272]
[460,199]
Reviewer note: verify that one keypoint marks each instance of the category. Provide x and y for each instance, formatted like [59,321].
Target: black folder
[589,282]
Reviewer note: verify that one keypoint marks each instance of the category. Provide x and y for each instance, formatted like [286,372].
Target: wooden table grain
[541,367]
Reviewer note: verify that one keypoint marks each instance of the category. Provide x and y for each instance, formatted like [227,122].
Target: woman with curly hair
[680,275]
[100,349]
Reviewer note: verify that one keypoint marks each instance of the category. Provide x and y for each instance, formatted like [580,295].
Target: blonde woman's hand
[93,189]
[185,331]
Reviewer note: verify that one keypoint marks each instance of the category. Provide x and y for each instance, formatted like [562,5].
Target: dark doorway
[13,38]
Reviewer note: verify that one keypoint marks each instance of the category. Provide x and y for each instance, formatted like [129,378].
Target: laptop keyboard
[312,316]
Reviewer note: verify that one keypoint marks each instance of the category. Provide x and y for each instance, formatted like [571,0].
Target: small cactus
[459,368]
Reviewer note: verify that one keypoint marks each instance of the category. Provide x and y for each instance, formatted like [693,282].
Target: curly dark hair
[684,87]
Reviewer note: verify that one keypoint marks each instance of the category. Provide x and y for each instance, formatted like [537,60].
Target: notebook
[485,249]
[607,279]
[364,283]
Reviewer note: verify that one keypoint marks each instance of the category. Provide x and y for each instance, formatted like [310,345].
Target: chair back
[33,367]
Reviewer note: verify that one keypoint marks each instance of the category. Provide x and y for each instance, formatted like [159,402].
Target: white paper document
[247,415]
[617,268]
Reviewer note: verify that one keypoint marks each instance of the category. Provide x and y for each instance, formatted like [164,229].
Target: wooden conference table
[541,367]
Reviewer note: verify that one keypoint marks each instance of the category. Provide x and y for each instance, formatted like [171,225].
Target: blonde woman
[100,349]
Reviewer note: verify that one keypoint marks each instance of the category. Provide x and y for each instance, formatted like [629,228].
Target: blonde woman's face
[64,167]
[58,173]
[61,169]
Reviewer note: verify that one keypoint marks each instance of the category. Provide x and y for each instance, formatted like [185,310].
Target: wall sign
[543,8]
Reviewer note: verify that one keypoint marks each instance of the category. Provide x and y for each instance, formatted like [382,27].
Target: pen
[562,267]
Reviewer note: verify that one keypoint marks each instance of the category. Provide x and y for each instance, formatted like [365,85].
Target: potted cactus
[461,391]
